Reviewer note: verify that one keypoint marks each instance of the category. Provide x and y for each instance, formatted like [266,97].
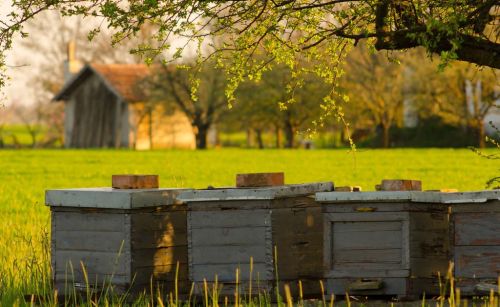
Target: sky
[21,65]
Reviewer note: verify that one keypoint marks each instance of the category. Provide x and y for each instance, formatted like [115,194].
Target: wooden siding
[223,235]
[98,241]
[159,242]
[159,128]
[475,234]
[397,244]
[97,114]
[133,247]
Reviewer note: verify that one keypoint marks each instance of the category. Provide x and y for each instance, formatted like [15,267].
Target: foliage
[247,37]
[266,105]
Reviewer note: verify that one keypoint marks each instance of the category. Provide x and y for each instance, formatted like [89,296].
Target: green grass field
[26,174]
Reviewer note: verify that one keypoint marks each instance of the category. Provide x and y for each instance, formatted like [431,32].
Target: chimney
[71,65]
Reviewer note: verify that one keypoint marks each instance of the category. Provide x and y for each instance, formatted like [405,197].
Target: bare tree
[172,86]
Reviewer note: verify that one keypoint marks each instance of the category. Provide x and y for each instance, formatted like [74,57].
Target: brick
[135,181]
[399,185]
[260,180]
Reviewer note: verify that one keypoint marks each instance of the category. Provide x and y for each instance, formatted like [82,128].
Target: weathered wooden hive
[474,237]
[124,238]
[381,243]
[229,226]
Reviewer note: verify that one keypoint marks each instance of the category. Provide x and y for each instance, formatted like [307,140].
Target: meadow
[26,174]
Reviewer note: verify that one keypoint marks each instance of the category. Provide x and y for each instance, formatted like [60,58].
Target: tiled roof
[122,79]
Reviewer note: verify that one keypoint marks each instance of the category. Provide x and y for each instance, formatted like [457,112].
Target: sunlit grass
[26,174]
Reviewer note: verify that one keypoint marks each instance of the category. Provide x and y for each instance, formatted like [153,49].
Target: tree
[280,30]
[460,95]
[270,103]
[376,88]
[203,106]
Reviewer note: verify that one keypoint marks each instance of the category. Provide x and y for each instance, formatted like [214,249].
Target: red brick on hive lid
[399,185]
[135,181]
[255,180]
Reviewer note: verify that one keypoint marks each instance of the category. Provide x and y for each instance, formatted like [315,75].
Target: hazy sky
[20,67]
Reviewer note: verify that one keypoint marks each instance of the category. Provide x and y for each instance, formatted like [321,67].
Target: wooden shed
[382,243]
[228,226]
[125,239]
[474,238]
[105,107]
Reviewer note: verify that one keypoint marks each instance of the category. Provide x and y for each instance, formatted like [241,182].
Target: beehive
[382,243]
[228,226]
[122,238]
[475,238]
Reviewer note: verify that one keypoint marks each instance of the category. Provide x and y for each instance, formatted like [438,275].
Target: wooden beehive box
[228,226]
[124,239]
[475,238]
[380,243]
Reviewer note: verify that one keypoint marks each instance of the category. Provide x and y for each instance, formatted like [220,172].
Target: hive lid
[456,197]
[389,196]
[265,193]
[108,198]
[413,196]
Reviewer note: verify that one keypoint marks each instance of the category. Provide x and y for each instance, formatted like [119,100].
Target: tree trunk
[289,134]
[249,137]
[385,136]
[258,136]
[278,136]
[201,136]
[150,128]
[481,134]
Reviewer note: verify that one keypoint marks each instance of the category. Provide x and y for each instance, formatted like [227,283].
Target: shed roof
[121,79]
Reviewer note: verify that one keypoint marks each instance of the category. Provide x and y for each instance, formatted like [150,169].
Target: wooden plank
[477,261]
[229,254]
[430,244]
[159,221]
[427,221]
[157,239]
[391,286]
[360,272]
[489,206]
[367,216]
[227,272]
[159,273]
[91,241]
[429,267]
[108,198]
[159,256]
[374,197]
[236,218]
[341,227]
[360,237]
[265,193]
[82,221]
[93,278]
[389,256]
[477,229]
[228,236]
[373,206]
[94,262]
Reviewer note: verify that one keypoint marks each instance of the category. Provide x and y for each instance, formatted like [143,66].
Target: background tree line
[395,99]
